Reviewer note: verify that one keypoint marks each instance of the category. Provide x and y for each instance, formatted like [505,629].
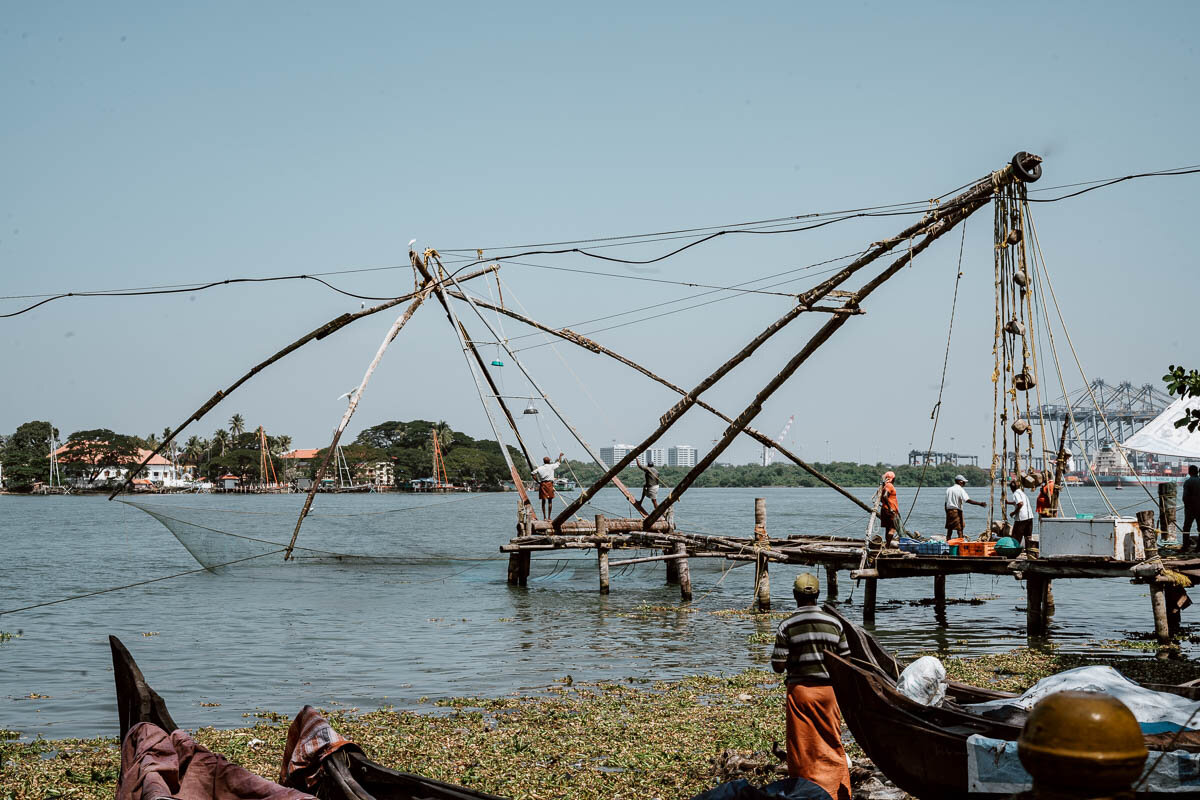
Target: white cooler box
[1115,537]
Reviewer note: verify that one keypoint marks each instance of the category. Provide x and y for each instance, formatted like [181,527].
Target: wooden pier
[1166,576]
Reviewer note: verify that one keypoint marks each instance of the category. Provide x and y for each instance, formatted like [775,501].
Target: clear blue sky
[162,143]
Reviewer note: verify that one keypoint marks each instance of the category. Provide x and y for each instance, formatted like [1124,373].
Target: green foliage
[1185,383]
[26,456]
[87,453]
[843,473]
[476,462]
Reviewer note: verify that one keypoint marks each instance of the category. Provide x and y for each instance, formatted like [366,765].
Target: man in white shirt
[1022,513]
[544,475]
[956,495]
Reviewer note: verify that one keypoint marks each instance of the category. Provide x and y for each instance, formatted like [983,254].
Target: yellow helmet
[806,583]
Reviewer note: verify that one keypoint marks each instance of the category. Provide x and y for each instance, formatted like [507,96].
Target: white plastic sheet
[924,681]
[1162,437]
[1148,706]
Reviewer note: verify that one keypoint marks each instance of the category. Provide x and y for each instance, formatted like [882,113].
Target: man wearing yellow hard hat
[814,723]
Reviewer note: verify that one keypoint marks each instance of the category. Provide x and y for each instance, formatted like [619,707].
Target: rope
[937,407]
[1075,355]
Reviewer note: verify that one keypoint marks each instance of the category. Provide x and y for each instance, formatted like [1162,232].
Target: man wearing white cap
[956,495]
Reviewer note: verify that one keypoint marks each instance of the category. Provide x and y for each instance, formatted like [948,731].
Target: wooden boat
[345,774]
[923,749]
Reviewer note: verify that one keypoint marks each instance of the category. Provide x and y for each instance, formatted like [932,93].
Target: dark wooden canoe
[343,775]
[922,749]
[866,648]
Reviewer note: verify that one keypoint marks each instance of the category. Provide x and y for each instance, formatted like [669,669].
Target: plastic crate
[933,549]
[977,549]
[908,545]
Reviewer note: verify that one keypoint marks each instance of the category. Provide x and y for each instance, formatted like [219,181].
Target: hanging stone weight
[1020,426]
[1023,381]
[1029,480]
[1014,236]
[1015,327]
[1021,279]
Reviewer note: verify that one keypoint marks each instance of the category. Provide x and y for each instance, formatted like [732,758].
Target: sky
[147,144]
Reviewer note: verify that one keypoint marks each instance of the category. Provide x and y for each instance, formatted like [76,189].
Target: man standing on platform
[814,722]
[544,475]
[1191,506]
[956,495]
[889,508]
[650,488]
[1022,514]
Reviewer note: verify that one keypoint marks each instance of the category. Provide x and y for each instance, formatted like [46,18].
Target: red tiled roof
[157,461]
[301,455]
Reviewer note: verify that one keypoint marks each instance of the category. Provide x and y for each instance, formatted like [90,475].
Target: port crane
[768,453]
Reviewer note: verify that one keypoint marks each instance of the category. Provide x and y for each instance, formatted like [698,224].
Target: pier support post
[672,573]
[939,592]
[1035,605]
[1177,601]
[869,601]
[1162,625]
[685,572]
[831,583]
[762,578]
[1166,510]
[602,552]
[514,569]
[602,564]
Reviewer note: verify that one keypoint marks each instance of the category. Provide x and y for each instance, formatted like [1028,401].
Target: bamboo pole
[667,557]
[355,396]
[1060,465]
[584,342]
[463,339]
[553,406]
[827,330]
[602,554]
[762,577]
[333,326]
[968,201]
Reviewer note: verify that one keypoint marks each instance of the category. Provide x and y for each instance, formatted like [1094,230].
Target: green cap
[806,583]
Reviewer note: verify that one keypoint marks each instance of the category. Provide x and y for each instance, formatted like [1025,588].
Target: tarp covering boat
[1160,436]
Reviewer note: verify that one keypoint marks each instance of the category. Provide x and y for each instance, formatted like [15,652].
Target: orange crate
[977,549]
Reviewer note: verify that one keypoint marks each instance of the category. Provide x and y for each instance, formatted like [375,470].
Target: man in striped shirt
[814,723]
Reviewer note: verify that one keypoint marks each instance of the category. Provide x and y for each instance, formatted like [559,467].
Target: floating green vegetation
[6,636]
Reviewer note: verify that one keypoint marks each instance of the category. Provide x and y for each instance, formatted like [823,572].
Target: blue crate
[908,545]
[933,549]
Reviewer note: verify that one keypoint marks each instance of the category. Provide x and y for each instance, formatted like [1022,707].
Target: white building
[681,455]
[159,471]
[611,455]
[658,455]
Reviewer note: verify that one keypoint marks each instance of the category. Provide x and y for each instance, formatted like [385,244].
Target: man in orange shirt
[1044,499]
[889,508]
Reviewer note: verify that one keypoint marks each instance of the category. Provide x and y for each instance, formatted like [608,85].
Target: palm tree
[220,440]
[193,449]
[445,435]
[283,443]
[237,425]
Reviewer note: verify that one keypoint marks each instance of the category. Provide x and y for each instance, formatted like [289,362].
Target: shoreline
[593,741]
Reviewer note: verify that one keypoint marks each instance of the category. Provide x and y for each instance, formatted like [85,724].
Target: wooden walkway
[1166,576]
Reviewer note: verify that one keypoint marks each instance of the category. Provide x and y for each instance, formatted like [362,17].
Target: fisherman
[650,488]
[956,495]
[1045,500]
[1022,514]
[814,722]
[1191,506]
[889,508]
[545,478]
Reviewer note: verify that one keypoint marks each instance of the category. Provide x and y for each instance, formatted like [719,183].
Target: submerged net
[218,536]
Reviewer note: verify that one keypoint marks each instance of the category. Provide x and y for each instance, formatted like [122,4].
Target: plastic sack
[924,681]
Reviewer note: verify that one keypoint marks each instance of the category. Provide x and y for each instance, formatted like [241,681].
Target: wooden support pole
[1149,535]
[1166,510]
[939,591]
[762,584]
[869,600]
[602,553]
[831,583]
[762,578]
[672,572]
[514,569]
[685,572]
[1035,605]
[1049,599]
[668,557]
[523,568]
[1162,625]
[1176,600]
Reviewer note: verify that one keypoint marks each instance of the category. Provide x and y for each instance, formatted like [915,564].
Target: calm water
[435,620]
